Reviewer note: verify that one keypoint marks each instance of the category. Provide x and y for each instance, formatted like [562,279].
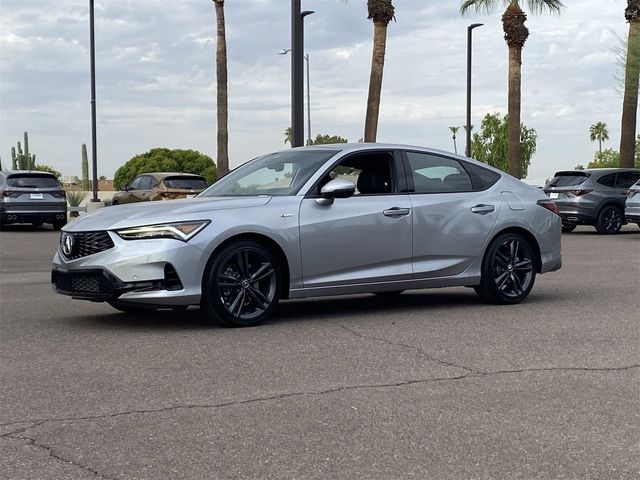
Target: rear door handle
[483,209]
[396,212]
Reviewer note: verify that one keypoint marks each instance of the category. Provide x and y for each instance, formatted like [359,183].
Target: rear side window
[568,179]
[435,174]
[481,178]
[185,183]
[32,181]
[626,179]
[608,180]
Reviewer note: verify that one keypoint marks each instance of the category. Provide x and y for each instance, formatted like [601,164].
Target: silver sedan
[322,220]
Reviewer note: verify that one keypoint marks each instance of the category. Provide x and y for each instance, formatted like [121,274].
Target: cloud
[156,76]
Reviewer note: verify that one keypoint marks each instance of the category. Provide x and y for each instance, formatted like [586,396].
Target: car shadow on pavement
[302,310]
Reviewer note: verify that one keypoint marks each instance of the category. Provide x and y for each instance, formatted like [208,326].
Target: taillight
[165,194]
[549,205]
[630,193]
[579,192]
[59,194]
[7,193]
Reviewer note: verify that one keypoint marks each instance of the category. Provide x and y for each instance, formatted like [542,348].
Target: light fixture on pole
[306,58]
[468,125]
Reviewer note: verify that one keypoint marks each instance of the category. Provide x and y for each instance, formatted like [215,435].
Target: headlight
[179,231]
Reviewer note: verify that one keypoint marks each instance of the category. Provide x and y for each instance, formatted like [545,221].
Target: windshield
[568,179]
[28,180]
[282,173]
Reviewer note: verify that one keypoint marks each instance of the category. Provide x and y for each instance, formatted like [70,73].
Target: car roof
[602,171]
[11,173]
[163,175]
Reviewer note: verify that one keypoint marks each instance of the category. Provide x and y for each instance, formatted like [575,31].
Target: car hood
[148,213]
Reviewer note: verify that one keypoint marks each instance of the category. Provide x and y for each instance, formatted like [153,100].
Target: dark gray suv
[592,197]
[32,197]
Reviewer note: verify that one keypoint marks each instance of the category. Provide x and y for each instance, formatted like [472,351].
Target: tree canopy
[47,168]
[610,158]
[165,160]
[490,145]
[328,139]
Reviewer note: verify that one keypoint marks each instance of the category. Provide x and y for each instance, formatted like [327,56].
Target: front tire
[508,270]
[242,285]
[609,221]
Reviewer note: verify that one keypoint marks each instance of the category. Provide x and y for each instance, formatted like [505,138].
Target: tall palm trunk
[600,145]
[375,81]
[515,34]
[632,74]
[514,105]
[222,160]
[381,12]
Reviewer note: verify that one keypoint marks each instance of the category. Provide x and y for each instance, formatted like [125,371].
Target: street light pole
[306,57]
[297,73]
[468,129]
[94,146]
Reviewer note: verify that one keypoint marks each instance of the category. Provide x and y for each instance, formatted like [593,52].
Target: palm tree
[632,74]
[222,160]
[454,131]
[515,34]
[598,131]
[381,12]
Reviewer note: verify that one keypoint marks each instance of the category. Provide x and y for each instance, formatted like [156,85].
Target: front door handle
[396,212]
[483,209]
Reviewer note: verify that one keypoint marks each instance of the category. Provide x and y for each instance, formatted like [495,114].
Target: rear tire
[508,270]
[242,285]
[568,227]
[36,224]
[609,221]
[58,225]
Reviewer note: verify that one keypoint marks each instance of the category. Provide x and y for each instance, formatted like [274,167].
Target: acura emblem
[67,244]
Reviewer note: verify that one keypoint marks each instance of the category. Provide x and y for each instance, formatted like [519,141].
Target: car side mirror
[124,188]
[336,188]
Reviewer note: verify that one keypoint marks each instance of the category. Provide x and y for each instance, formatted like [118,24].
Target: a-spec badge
[66,243]
[286,215]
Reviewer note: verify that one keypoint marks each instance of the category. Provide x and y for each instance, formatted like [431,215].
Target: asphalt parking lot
[430,385]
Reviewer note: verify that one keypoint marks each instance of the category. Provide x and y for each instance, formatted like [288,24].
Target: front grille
[85,244]
[83,283]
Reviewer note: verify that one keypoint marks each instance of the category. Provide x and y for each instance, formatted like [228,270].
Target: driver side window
[371,173]
[135,185]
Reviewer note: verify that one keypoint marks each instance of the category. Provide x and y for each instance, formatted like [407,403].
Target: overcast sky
[156,76]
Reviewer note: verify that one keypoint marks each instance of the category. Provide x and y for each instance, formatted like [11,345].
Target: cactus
[14,159]
[27,159]
[85,169]
[33,162]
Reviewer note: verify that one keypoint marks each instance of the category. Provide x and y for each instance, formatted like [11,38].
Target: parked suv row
[32,197]
[592,197]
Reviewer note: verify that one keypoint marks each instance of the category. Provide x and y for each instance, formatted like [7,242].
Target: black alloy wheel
[568,227]
[242,285]
[508,270]
[609,221]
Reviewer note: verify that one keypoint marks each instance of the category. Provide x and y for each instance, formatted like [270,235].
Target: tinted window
[145,183]
[135,185]
[282,173]
[185,183]
[568,179]
[370,172]
[434,174]
[626,179]
[481,178]
[608,180]
[28,180]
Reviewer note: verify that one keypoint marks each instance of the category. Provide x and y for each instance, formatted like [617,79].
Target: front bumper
[158,272]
